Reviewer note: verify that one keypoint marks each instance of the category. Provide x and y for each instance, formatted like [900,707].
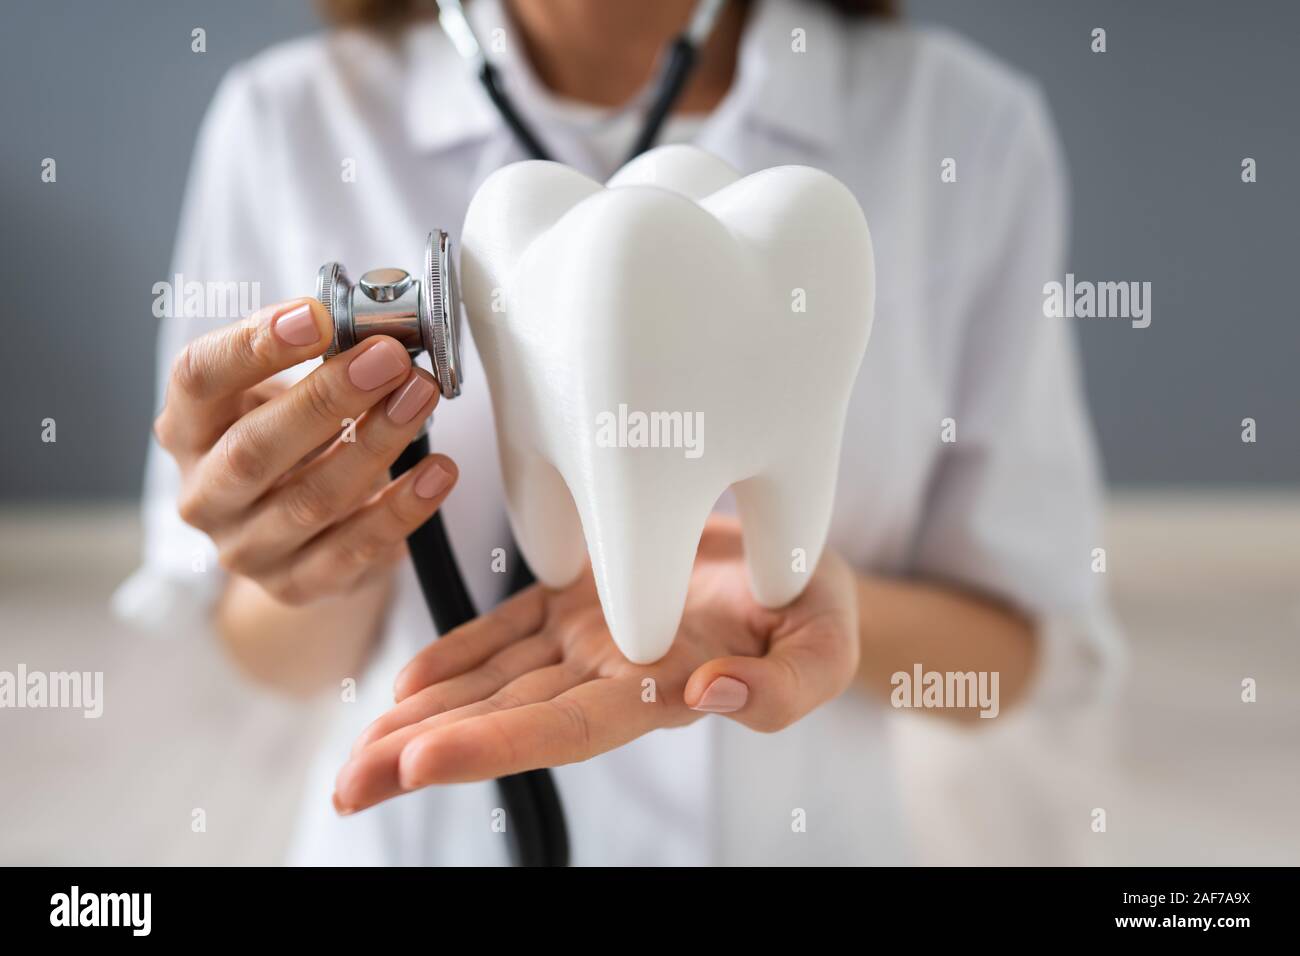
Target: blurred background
[1204,529]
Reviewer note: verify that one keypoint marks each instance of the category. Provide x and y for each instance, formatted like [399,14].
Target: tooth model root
[644,545]
[545,523]
[785,516]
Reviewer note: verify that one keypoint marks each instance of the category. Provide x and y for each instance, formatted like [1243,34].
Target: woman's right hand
[292,497]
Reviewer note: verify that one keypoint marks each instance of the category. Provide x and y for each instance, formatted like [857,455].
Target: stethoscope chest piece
[423,313]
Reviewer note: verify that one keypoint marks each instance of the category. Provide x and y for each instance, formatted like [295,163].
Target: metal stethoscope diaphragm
[423,313]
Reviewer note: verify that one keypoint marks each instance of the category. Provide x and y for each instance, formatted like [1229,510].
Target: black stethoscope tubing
[678,62]
[534,816]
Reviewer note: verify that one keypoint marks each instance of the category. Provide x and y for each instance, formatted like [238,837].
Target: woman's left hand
[538,682]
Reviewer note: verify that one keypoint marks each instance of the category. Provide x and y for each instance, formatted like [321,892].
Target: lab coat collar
[792,93]
[795,94]
[445,103]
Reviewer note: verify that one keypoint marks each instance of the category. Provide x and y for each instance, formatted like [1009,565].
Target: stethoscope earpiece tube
[539,836]
[677,70]
[680,59]
[522,131]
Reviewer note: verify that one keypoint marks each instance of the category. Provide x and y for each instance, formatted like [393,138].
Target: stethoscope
[424,313]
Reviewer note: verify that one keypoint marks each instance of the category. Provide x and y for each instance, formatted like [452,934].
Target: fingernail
[382,362]
[296,326]
[340,809]
[724,695]
[435,480]
[409,399]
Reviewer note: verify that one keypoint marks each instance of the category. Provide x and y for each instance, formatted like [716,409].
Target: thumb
[798,674]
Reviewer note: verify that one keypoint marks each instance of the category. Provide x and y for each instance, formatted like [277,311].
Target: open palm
[539,682]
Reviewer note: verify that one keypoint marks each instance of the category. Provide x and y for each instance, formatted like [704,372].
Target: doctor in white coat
[768,742]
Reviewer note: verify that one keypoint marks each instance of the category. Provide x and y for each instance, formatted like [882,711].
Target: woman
[966,513]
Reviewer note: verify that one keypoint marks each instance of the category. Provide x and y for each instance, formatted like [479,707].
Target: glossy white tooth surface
[674,289]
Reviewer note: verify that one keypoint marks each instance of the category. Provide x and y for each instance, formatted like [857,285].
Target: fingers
[471,645]
[495,741]
[590,719]
[211,372]
[800,672]
[512,663]
[254,452]
[812,655]
[336,560]
[372,775]
[331,485]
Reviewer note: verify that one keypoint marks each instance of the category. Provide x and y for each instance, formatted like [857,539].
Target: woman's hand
[538,682]
[291,484]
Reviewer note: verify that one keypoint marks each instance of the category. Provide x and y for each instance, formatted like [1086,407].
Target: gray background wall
[1154,130]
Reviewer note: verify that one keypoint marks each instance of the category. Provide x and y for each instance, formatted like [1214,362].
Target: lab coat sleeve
[1015,506]
[223,236]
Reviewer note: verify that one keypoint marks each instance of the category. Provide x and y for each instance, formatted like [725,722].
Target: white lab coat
[1011,508]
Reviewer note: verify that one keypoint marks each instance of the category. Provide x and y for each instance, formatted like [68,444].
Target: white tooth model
[649,344]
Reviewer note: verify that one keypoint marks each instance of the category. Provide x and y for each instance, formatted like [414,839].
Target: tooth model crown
[651,343]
